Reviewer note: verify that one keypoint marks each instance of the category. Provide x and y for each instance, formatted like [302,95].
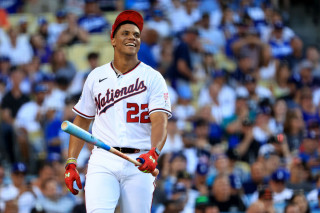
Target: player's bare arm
[159,121]
[76,144]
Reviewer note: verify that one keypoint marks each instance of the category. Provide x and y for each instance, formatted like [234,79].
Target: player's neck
[124,65]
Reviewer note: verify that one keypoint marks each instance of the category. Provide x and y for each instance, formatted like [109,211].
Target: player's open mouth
[130,44]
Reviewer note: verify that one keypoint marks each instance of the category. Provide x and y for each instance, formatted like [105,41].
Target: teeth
[130,44]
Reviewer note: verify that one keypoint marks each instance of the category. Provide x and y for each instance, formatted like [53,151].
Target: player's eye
[137,35]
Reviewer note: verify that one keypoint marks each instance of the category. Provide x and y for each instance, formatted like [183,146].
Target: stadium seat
[111,16]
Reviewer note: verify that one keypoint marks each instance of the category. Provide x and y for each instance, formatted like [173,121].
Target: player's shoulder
[98,72]
[148,70]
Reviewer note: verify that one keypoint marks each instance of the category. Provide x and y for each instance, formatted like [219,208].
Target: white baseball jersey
[121,104]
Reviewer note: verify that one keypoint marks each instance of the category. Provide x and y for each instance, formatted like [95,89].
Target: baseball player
[129,103]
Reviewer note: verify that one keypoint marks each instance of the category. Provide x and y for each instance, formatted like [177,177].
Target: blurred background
[243,79]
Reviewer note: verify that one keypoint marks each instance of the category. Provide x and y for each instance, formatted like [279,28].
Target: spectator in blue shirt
[92,21]
[148,40]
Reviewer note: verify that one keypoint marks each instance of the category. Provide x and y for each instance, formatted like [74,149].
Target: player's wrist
[71,161]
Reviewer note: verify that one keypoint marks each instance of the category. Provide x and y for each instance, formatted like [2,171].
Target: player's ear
[113,42]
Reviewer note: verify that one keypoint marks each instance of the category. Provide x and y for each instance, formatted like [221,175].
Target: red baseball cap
[127,15]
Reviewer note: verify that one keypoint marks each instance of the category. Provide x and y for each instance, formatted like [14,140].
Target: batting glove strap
[149,161]
[71,174]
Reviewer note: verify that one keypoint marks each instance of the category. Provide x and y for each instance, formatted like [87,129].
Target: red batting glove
[149,161]
[71,175]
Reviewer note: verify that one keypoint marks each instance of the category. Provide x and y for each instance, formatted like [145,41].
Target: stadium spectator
[219,95]
[4,71]
[297,55]
[19,190]
[28,124]
[256,180]
[40,48]
[266,196]
[52,201]
[267,66]
[221,195]
[11,103]
[75,87]
[149,39]
[17,48]
[301,201]
[293,128]
[299,177]
[55,28]
[312,55]
[212,39]
[92,20]
[181,70]
[159,23]
[174,140]
[73,34]
[183,15]
[291,208]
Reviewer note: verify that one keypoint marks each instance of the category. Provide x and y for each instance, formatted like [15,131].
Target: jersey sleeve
[159,97]
[86,106]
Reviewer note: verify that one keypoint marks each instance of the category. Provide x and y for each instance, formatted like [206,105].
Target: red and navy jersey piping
[160,109]
[83,115]
[127,71]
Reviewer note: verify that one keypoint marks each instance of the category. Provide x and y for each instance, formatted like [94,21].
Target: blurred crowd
[245,98]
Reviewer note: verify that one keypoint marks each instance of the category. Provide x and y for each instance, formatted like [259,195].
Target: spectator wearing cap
[73,34]
[304,77]
[11,103]
[42,28]
[92,20]
[263,129]
[28,125]
[279,145]
[17,48]
[19,190]
[159,23]
[186,179]
[279,38]
[181,71]
[183,15]
[277,185]
[56,28]
[200,177]
[184,110]
[212,39]
[203,204]
[255,92]
[220,194]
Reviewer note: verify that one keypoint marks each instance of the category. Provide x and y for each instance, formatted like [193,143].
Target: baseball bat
[78,132]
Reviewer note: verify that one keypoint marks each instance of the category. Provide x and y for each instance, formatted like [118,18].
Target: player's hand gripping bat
[87,137]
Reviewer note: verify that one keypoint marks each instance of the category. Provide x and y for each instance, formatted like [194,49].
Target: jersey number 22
[134,111]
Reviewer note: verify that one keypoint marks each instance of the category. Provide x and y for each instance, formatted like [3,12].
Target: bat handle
[155,171]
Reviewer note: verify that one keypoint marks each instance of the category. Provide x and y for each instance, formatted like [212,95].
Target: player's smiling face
[127,39]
